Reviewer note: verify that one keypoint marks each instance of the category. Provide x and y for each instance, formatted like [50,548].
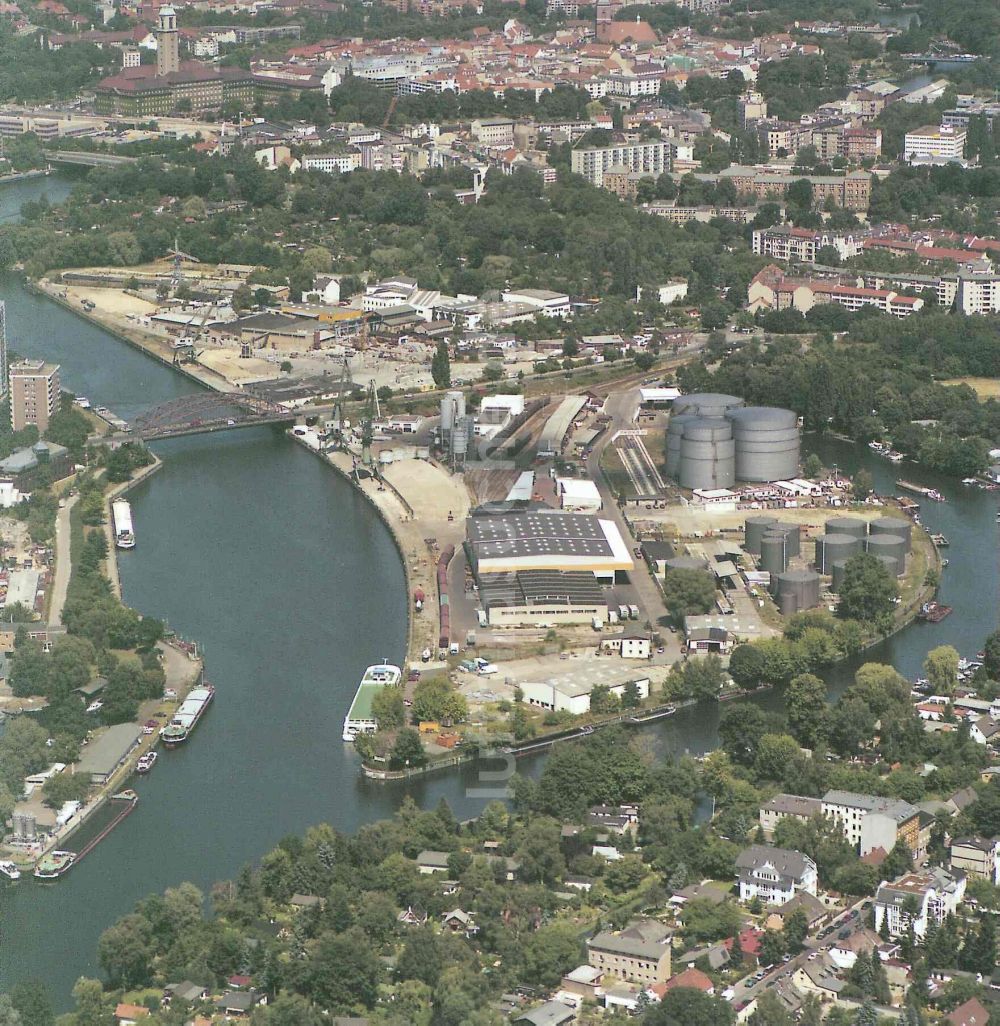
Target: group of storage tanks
[774,543]
[714,440]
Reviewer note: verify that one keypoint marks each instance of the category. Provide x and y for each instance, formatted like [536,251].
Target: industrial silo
[854,526]
[831,547]
[686,563]
[793,538]
[448,413]
[892,525]
[796,590]
[890,545]
[756,527]
[773,554]
[767,443]
[708,454]
[675,429]
[706,404]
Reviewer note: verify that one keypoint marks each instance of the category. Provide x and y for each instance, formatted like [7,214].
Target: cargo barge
[187,716]
[360,719]
[928,493]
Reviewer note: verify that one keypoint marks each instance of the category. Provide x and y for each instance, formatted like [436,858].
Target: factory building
[714,440]
[545,540]
[531,598]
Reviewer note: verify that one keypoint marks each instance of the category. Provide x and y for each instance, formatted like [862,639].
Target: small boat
[969,481]
[9,870]
[940,541]
[933,612]
[896,457]
[83,402]
[128,795]
[53,864]
[930,493]
[145,763]
[944,563]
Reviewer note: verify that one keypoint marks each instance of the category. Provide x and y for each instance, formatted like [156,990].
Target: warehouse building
[106,753]
[529,598]
[546,540]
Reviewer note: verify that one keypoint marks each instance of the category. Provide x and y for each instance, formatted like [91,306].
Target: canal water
[251,545]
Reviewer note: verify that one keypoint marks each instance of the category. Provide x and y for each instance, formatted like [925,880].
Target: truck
[623,612]
[484,667]
[481,616]
[596,623]
[633,612]
[612,616]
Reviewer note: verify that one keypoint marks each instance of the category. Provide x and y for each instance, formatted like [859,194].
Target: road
[60,583]
[749,988]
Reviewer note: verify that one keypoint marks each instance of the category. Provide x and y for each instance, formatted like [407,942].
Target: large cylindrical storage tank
[459,399]
[892,525]
[793,538]
[706,404]
[708,454]
[675,429]
[837,569]
[767,443]
[831,547]
[773,554]
[803,584]
[756,527]
[891,545]
[448,411]
[788,604]
[686,563]
[854,526]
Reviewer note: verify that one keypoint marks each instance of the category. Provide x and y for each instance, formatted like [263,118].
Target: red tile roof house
[749,941]
[691,978]
[972,1013]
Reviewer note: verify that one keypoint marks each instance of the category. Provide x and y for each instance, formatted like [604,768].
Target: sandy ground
[432,492]
[227,362]
[985,388]
[111,301]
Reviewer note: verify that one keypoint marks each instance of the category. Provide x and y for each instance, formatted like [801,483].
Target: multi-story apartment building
[788,806]
[918,899]
[774,875]
[783,242]
[977,856]
[872,822]
[852,190]
[861,143]
[34,394]
[493,131]
[335,163]
[640,952]
[652,158]
[932,143]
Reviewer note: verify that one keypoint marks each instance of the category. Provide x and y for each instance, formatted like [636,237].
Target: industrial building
[578,495]
[527,598]
[572,696]
[545,540]
[714,440]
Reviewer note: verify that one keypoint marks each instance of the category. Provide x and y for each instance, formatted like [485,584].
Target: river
[251,545]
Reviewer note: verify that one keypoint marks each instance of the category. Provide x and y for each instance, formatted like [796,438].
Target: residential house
[583,983]
[815,911]
[690,978]
[623,996]
[411,916]
[237,1004]
[460,922]
[977,856]
[985,730]
[774,875]
[933,894]
[185,991]
[433,862]
[787,805]
[844,952]
[640,952]
[130,1015]
[820,977]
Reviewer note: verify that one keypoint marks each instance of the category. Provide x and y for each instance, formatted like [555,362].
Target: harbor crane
[368,417]
[339,434]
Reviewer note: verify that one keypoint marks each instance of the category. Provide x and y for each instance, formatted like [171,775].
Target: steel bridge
[205,412]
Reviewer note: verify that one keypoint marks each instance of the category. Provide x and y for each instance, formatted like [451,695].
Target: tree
[772,947]
[740,729]
[342,973]
[441,366]
[805,703]
[684,1006]
[795,929]
[434,699]
[65,787]
[941,669]
[421,958]
[688,592]
[91,1007]
[898,861]
[551,951]
[32,1001]
[979,952]
[862,485]
[747,664]
[992,656]
[9,1015]
[408,749]
[388,708]
[126,950]
[570,347]
[868,591]
[812,466]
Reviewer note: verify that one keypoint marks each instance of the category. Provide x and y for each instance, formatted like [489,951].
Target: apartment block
[783,806]
[932,143]
[34,394]
[640,952]
[651,158]
[871,822]
[935,894]
[977,856]
[774,875]
[802,244]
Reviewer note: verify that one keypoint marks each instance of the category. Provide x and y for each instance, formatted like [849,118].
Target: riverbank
[23,176]
[151,345]
[117,492]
